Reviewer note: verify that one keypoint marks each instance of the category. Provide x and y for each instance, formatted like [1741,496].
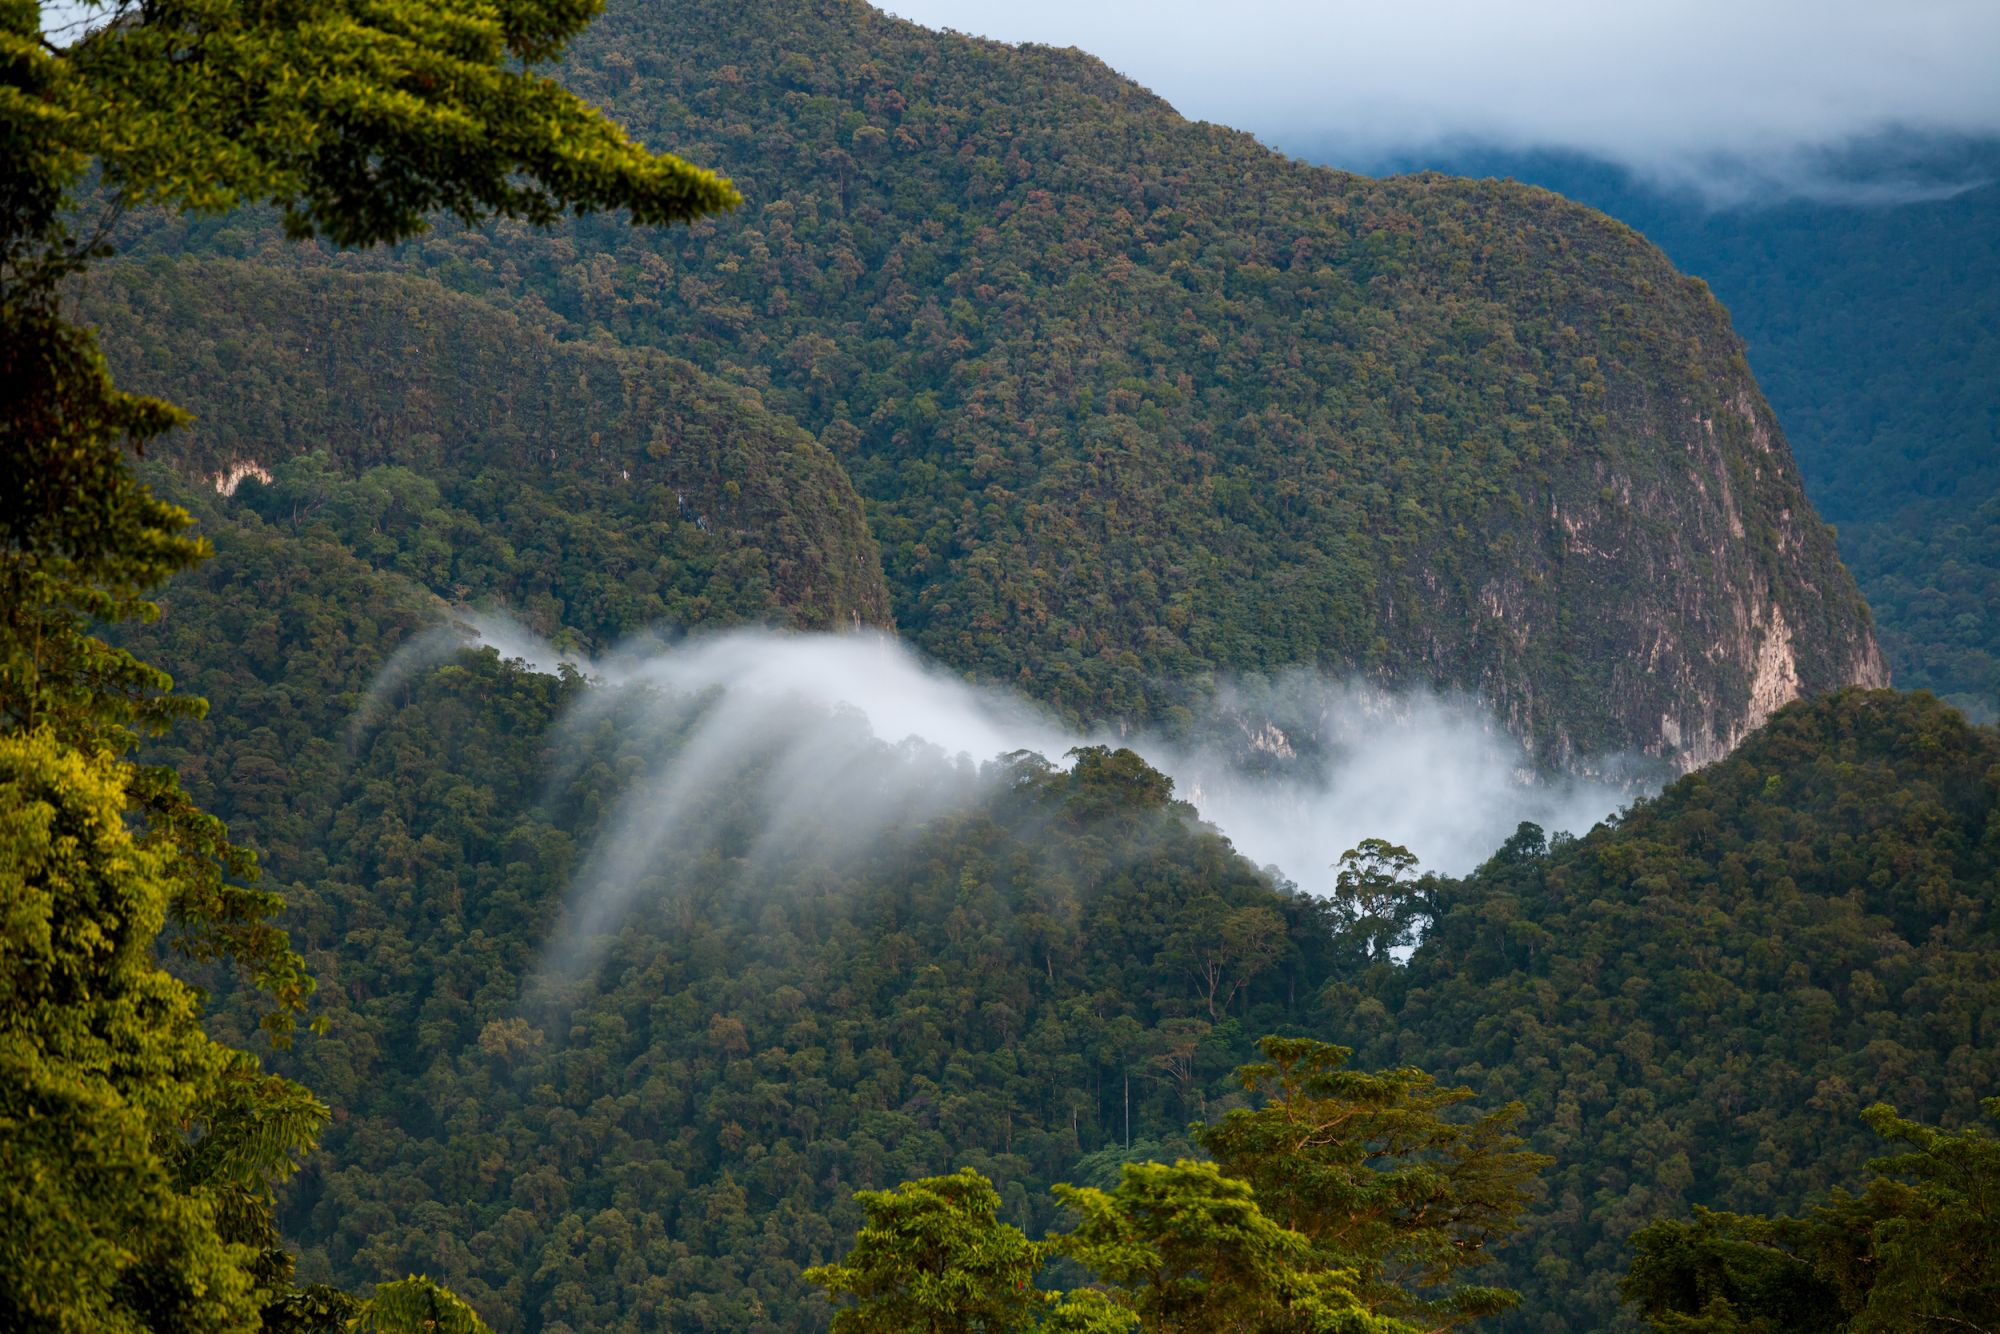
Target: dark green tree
[1918,1248]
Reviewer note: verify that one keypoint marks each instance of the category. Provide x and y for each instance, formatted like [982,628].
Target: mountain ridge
[1133,402]
[568,454]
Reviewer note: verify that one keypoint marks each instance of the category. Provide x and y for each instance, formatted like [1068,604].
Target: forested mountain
[1694,1002]
[1698,1002]
[1874,328]
[1133,400]
[592,490]
[1088,400]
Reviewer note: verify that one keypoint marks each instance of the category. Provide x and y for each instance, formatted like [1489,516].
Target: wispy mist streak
[759,749]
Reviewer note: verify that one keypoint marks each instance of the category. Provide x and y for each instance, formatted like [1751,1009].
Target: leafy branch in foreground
[138,1157]
[1346,1202]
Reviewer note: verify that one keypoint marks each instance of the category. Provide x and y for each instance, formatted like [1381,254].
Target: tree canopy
[138,1157]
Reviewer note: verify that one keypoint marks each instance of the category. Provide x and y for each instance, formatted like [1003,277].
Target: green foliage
[1695,1002]
[1344,1203]
[1380,1176]
[600,492]
[416,1305]
[1933,585]
[753,1050]
[137,1156]
[933,1258]
[753,1053]
[1918,1248]
[1188,1250]
[1134,401]
[1380,909]
[360,120]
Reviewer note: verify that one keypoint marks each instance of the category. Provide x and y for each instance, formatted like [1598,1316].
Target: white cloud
[1677,87]
[811,749]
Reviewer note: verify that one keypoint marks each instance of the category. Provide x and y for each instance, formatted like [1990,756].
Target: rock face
[1136,401]
[1135,404]
[1715,593]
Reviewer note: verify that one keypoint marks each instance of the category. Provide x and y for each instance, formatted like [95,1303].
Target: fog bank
[750,740]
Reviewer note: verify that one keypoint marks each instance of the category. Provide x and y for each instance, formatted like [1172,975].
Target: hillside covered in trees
[1081,398]
[1132,401]
[1874,328]
[1698,1002]
[593,491]
[1694,1003]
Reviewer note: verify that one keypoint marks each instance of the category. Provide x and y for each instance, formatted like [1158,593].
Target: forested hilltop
[1698,1001]
[592,490]
[1132,400]
[1874,327]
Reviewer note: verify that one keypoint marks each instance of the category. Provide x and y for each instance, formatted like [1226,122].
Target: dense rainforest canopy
[1004,989]
[1080,396]
[1132,401]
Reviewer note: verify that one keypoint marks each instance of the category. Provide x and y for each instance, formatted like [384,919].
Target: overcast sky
[1681,88]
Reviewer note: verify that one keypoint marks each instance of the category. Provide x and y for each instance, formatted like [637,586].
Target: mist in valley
[750,752]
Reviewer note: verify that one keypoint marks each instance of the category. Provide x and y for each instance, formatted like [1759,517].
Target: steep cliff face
[591,487]
[1134,402]
[1687,587]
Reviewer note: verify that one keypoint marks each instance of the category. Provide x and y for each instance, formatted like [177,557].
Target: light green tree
[1188,1251]
[1381,908]
[417,1306]
[934,1258]
[1384,1174]
[137,1158]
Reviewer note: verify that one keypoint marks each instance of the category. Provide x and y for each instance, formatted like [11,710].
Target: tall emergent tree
[1382,1175]
[1344,1203]
[138,1157]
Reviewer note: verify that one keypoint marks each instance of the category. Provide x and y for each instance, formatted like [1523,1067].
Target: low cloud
[1729,98]
[747,741]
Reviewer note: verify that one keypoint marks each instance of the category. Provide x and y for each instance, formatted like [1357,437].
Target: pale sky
[1674,87]
[1726,94]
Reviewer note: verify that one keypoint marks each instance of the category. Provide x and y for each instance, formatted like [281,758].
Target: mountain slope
[589,489]
[1133,401]
[1875,329]
[1697,1003]
[1693,1003]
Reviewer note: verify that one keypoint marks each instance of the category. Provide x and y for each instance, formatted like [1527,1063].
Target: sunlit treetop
[358,118]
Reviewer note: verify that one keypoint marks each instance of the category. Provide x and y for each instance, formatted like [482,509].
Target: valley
[984,679]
